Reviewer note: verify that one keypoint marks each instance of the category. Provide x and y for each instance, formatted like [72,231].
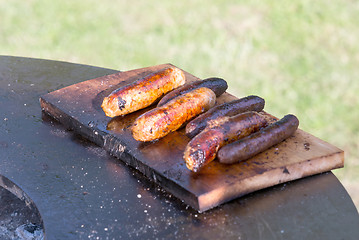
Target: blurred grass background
[301,56]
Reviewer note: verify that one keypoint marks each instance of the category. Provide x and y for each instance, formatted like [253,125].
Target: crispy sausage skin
[143,92]
[203,148]
[250,103]
[160,121]
[255,143]
[217,85]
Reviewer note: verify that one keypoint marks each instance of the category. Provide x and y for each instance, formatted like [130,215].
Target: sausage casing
[203,148]
[217,85]
[160,121]
[249,103]
[143,92]
[255,143]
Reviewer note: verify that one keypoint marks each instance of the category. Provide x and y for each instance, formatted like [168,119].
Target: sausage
[143,92]
[160,121]
[249,103]
[255,143]
[217,85]
[203,148]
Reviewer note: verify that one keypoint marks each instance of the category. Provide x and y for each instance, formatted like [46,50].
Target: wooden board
[79,107]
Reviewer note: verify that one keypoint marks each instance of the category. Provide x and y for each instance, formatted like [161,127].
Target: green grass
[301,56]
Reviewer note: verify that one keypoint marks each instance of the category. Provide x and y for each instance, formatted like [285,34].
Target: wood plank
[79,107]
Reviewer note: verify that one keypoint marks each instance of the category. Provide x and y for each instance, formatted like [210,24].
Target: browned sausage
[203,148]
[250,103]
[160,121]
[143,92]
[217,85]
[255,143]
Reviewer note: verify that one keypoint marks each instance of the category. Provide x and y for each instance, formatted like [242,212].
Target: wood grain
[78,107]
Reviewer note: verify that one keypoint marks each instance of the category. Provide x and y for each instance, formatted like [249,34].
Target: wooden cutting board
[78,107]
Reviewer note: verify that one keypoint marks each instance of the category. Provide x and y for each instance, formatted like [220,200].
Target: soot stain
[285,170]
[121,103]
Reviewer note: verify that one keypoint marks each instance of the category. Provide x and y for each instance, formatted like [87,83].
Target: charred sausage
[217,85]
[143,92]
[255,143]
[250,103]
[203,148]
[160,121]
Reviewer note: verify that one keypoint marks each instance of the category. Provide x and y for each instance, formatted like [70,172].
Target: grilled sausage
[143,92]
[255,143]
[203,148]
[160,121]
[217,85]
[250,103]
